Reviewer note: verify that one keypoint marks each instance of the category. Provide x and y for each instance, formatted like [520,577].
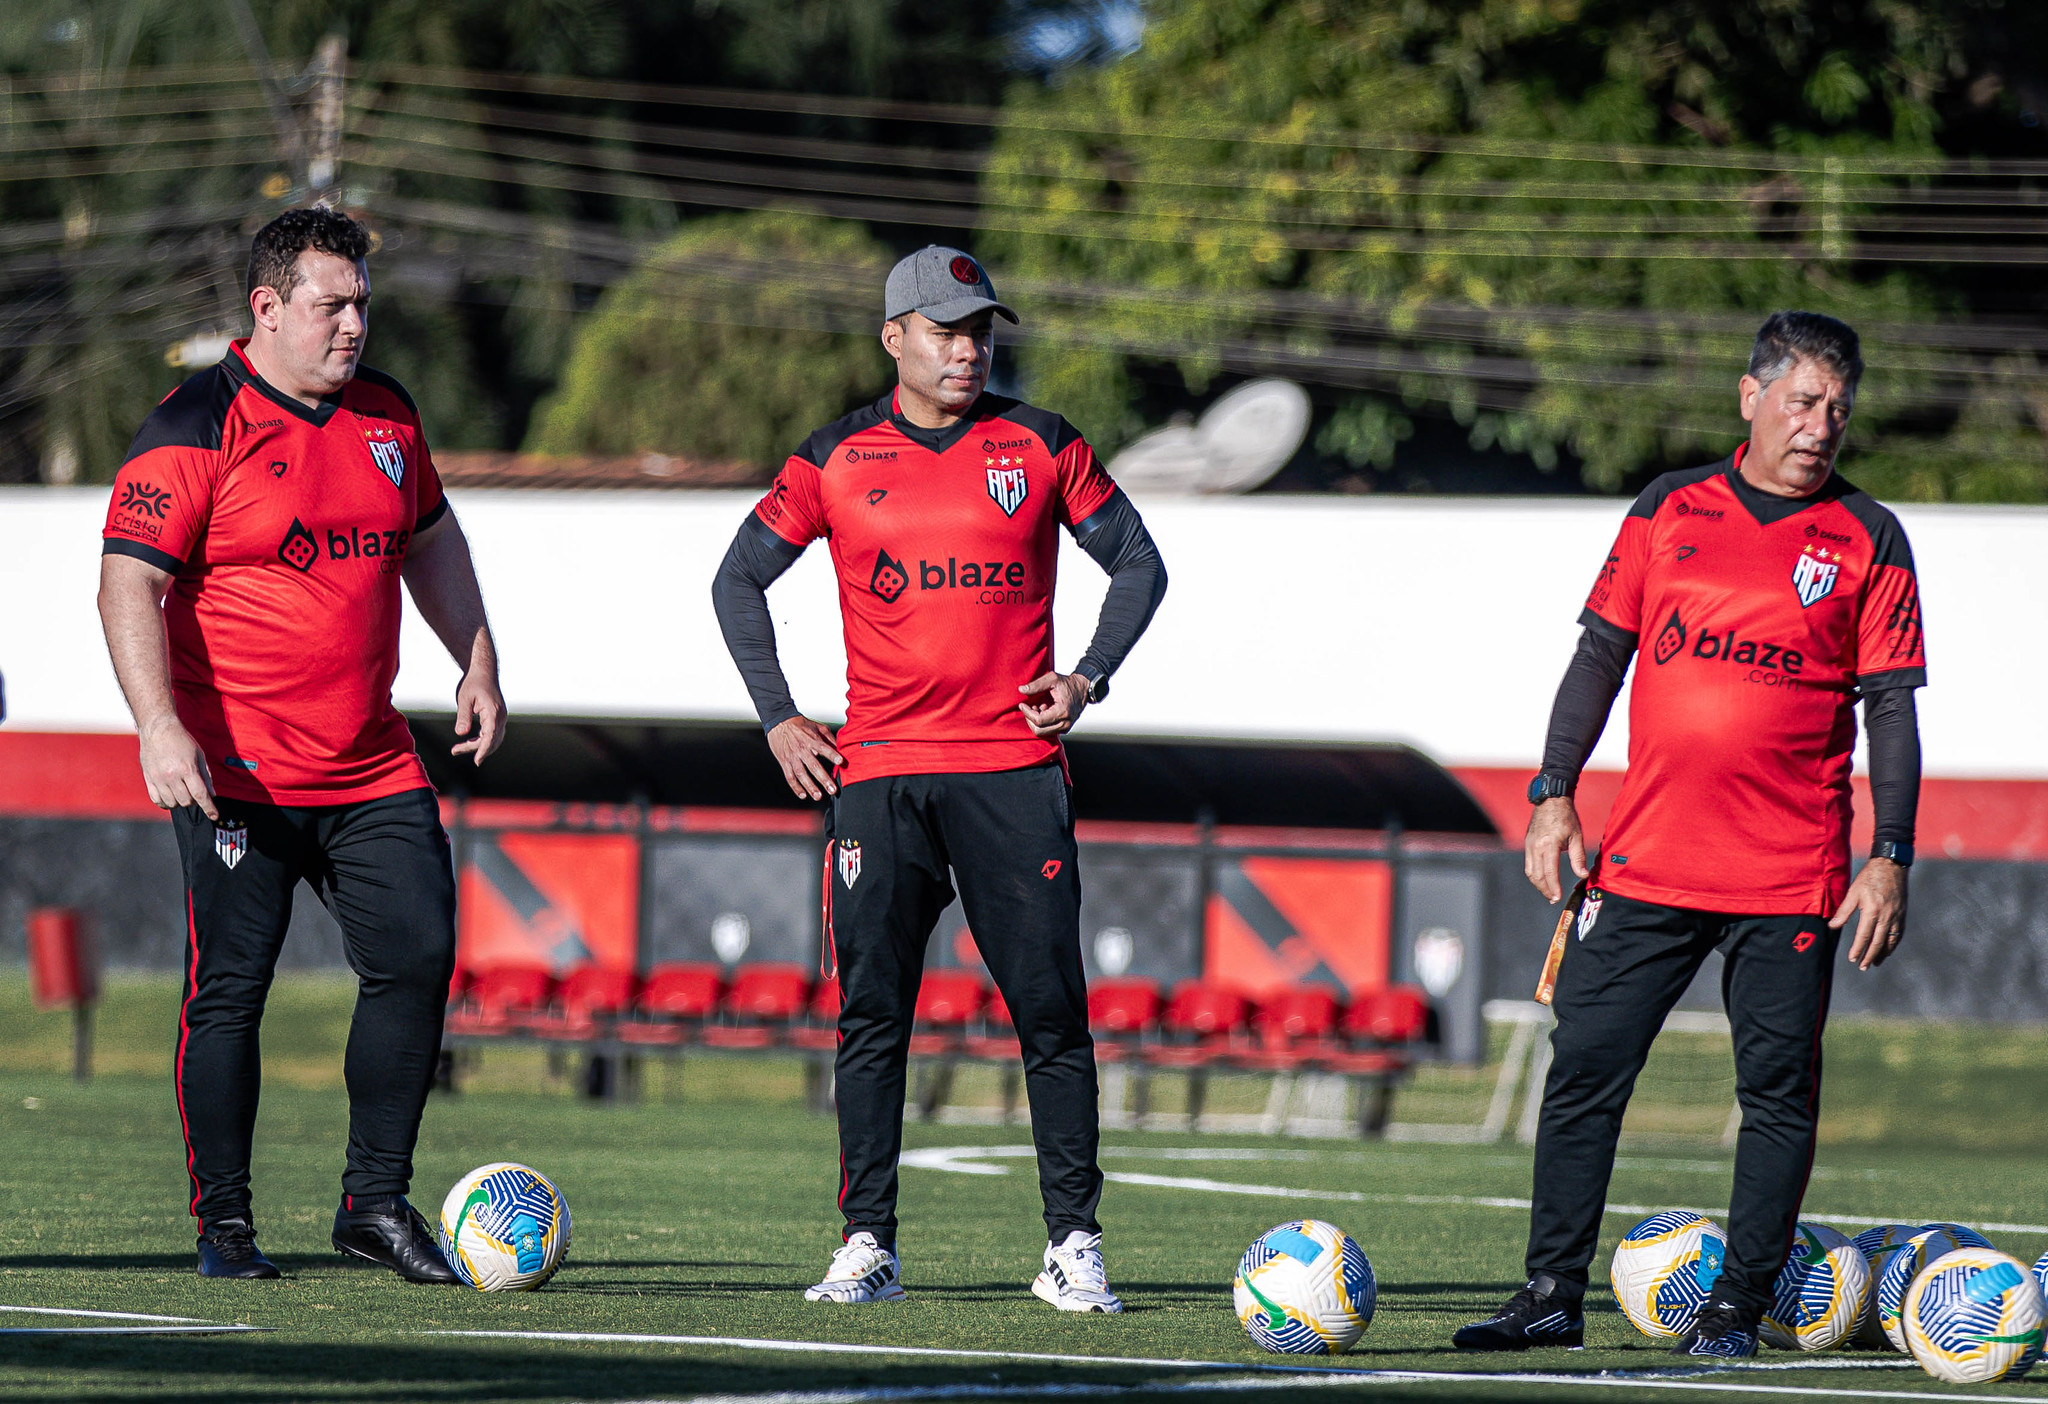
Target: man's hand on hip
[1553,829]
[1053,703]
[478,697]
[174,768]
[804,751]
[1878,897]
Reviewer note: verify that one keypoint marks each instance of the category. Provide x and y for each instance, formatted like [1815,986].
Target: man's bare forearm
[442,579]
[131,613]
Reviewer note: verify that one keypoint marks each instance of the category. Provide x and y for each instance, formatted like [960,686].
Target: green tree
[735,339]
[1559,222]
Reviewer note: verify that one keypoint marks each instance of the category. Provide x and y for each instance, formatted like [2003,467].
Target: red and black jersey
[285,529]
[946,546]
[1758,620]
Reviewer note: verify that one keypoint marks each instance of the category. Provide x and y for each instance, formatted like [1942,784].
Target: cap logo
[964,271]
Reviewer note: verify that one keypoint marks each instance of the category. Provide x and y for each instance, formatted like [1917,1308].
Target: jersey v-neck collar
[1767,507]
[240,368]
[936,440]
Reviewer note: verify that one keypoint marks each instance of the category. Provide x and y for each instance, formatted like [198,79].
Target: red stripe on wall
[1958,818]
[72,775]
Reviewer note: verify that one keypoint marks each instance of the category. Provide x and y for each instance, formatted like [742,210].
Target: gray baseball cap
[944,284]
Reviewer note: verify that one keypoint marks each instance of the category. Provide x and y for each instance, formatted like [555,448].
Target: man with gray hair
[1761,597]
[943,505]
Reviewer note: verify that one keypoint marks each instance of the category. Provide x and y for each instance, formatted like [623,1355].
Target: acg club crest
[1007,486]
[389,456]
[1813,575]
[849,861]
[231,842]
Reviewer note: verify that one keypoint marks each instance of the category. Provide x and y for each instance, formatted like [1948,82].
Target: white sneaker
[1073,1279]
[862,1271]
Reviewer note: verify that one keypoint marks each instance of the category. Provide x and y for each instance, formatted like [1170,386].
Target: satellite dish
[1239,442]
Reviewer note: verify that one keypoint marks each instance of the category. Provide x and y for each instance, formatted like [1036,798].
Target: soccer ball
[1878,1245]
[1973,1316]
[1820,1291]
[2041,1274]
[1905,1264]
[1663,1269]
[504,1228]
[1305,1288]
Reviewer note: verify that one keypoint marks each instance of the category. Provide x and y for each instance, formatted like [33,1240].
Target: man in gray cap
[942,505]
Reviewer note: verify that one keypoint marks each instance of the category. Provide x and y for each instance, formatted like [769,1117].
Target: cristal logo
[890,579]
[1670,639]
[144,497]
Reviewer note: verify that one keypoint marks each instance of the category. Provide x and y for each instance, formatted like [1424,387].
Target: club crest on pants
[1589,911]
[231,842]
[849,861]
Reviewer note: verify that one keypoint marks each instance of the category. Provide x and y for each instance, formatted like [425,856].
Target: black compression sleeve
[1114,536]
[739,593]
[1893,723]
[1584,699]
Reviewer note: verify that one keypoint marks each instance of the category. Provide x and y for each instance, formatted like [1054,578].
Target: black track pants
[1618,982]
[1007,839]
[382,869]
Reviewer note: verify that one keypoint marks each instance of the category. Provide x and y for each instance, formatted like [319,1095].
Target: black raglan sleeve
[739,593]
[1585,697]
[1115,538]
[1891,720]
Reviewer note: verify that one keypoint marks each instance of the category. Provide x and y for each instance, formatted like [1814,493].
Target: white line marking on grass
[106,1315]
[963,1160]
[847,1348]
[128,1331]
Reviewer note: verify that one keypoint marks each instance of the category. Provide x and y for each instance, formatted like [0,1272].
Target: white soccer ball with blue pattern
[1974,1315]
[504,1228]
[2041,1274]
[1819,1295]
[1305,1288]
[1663,1269]
[1905,1263]
[1878,1245]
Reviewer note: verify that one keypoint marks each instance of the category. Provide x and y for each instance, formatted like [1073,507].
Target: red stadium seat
[586,995]
[505,998]
[947,1002]
[997,1043]
[1293,1025]
[1198,1026]
[821,1031]
[1119,1013]
[763,1001]
[1396,1015]
[673,999]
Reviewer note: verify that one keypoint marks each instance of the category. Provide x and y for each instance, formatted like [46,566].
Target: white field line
[962,1160]
[202,1330]
[845,1348]
[107,1315]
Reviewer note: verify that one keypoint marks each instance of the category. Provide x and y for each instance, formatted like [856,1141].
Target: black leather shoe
[1538,1315]
[228,1249]
[391,1234]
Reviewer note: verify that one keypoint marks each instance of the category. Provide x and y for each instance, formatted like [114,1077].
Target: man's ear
[267,307]
[892,338]
[1752,391]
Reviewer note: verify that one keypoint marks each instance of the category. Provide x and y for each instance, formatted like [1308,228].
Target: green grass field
[704,1210]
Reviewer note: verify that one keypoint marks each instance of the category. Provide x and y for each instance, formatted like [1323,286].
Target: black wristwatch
[1900,853]
[1098,688]
[1549,787]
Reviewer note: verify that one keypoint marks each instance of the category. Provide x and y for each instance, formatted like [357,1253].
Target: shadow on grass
[104,1262]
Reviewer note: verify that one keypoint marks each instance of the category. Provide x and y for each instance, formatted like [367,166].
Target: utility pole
[307,112]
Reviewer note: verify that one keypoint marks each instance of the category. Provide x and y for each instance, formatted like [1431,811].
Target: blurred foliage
[1402,157]
[667,363]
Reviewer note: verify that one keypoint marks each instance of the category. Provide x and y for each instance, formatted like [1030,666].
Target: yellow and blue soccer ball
[504,1228]
[1819,1295]
[1972,1316]
[2041,1274]
[1664,1268]
[1305,1288]
[1905,1263]
[1878,1245]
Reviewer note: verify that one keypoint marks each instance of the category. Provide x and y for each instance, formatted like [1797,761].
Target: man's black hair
[274,253]
[1789,337]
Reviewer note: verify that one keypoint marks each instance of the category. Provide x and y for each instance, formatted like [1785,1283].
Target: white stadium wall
[1441,623]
